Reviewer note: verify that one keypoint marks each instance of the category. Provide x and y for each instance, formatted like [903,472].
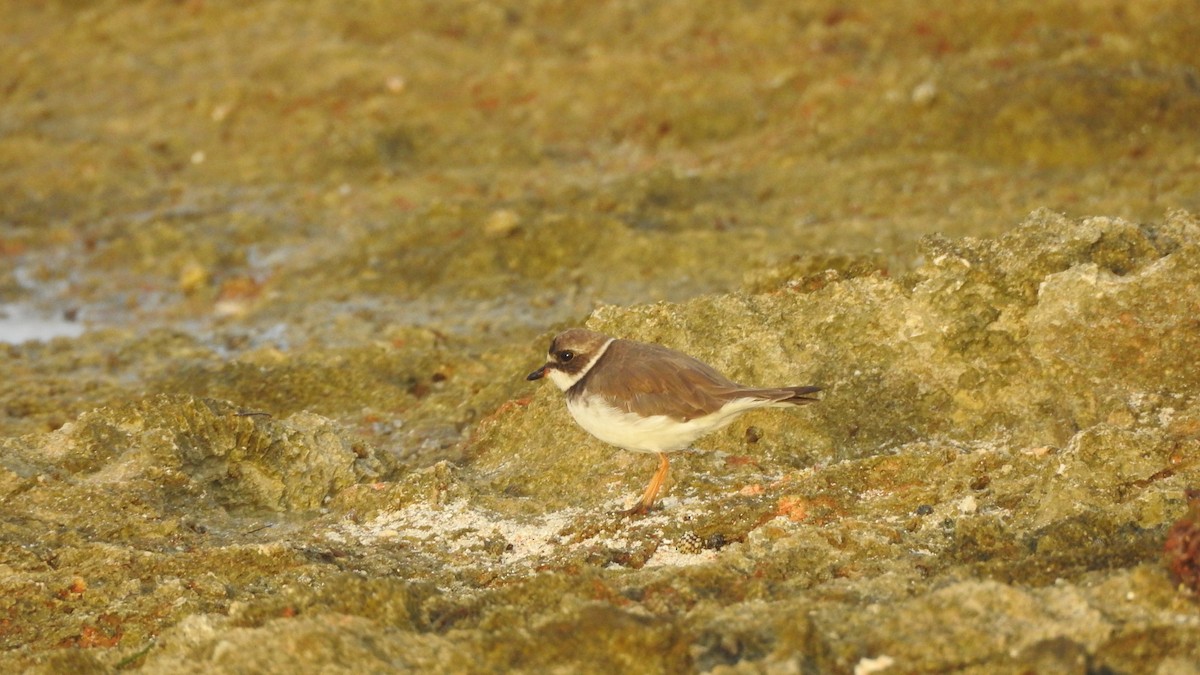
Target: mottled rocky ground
[316,246]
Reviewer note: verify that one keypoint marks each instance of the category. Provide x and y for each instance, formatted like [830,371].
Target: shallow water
[20,323]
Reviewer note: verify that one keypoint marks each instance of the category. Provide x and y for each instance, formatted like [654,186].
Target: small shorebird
[647,398]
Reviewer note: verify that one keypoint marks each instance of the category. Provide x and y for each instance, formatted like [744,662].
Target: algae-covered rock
[993,339]
[327,642]
[991,622]
[1003,439]
[314,269]
[207,449]
[947,405]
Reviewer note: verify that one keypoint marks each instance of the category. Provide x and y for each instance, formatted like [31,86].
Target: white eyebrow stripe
[565,381]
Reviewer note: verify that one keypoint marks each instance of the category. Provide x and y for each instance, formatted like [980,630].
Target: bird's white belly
[656,433]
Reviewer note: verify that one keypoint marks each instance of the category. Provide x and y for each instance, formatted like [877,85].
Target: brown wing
[659,381]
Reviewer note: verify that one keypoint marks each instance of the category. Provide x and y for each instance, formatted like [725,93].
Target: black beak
[537,374]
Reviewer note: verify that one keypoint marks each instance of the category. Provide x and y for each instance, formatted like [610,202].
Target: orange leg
[647,500]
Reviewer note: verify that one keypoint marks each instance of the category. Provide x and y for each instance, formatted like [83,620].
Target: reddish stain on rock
[1183,544]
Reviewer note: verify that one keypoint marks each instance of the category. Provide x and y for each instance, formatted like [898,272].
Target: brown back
[658,381]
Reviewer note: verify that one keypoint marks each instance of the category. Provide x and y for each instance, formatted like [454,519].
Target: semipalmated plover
[647,398]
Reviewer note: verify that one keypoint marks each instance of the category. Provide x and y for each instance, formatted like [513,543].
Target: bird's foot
[640,509]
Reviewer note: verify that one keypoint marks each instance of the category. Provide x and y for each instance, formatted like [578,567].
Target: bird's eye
[565,355]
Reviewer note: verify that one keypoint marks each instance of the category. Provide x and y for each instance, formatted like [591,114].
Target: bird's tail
[783,395]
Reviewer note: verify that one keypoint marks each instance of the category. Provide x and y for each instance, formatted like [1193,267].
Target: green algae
[457,565]
[329,241]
